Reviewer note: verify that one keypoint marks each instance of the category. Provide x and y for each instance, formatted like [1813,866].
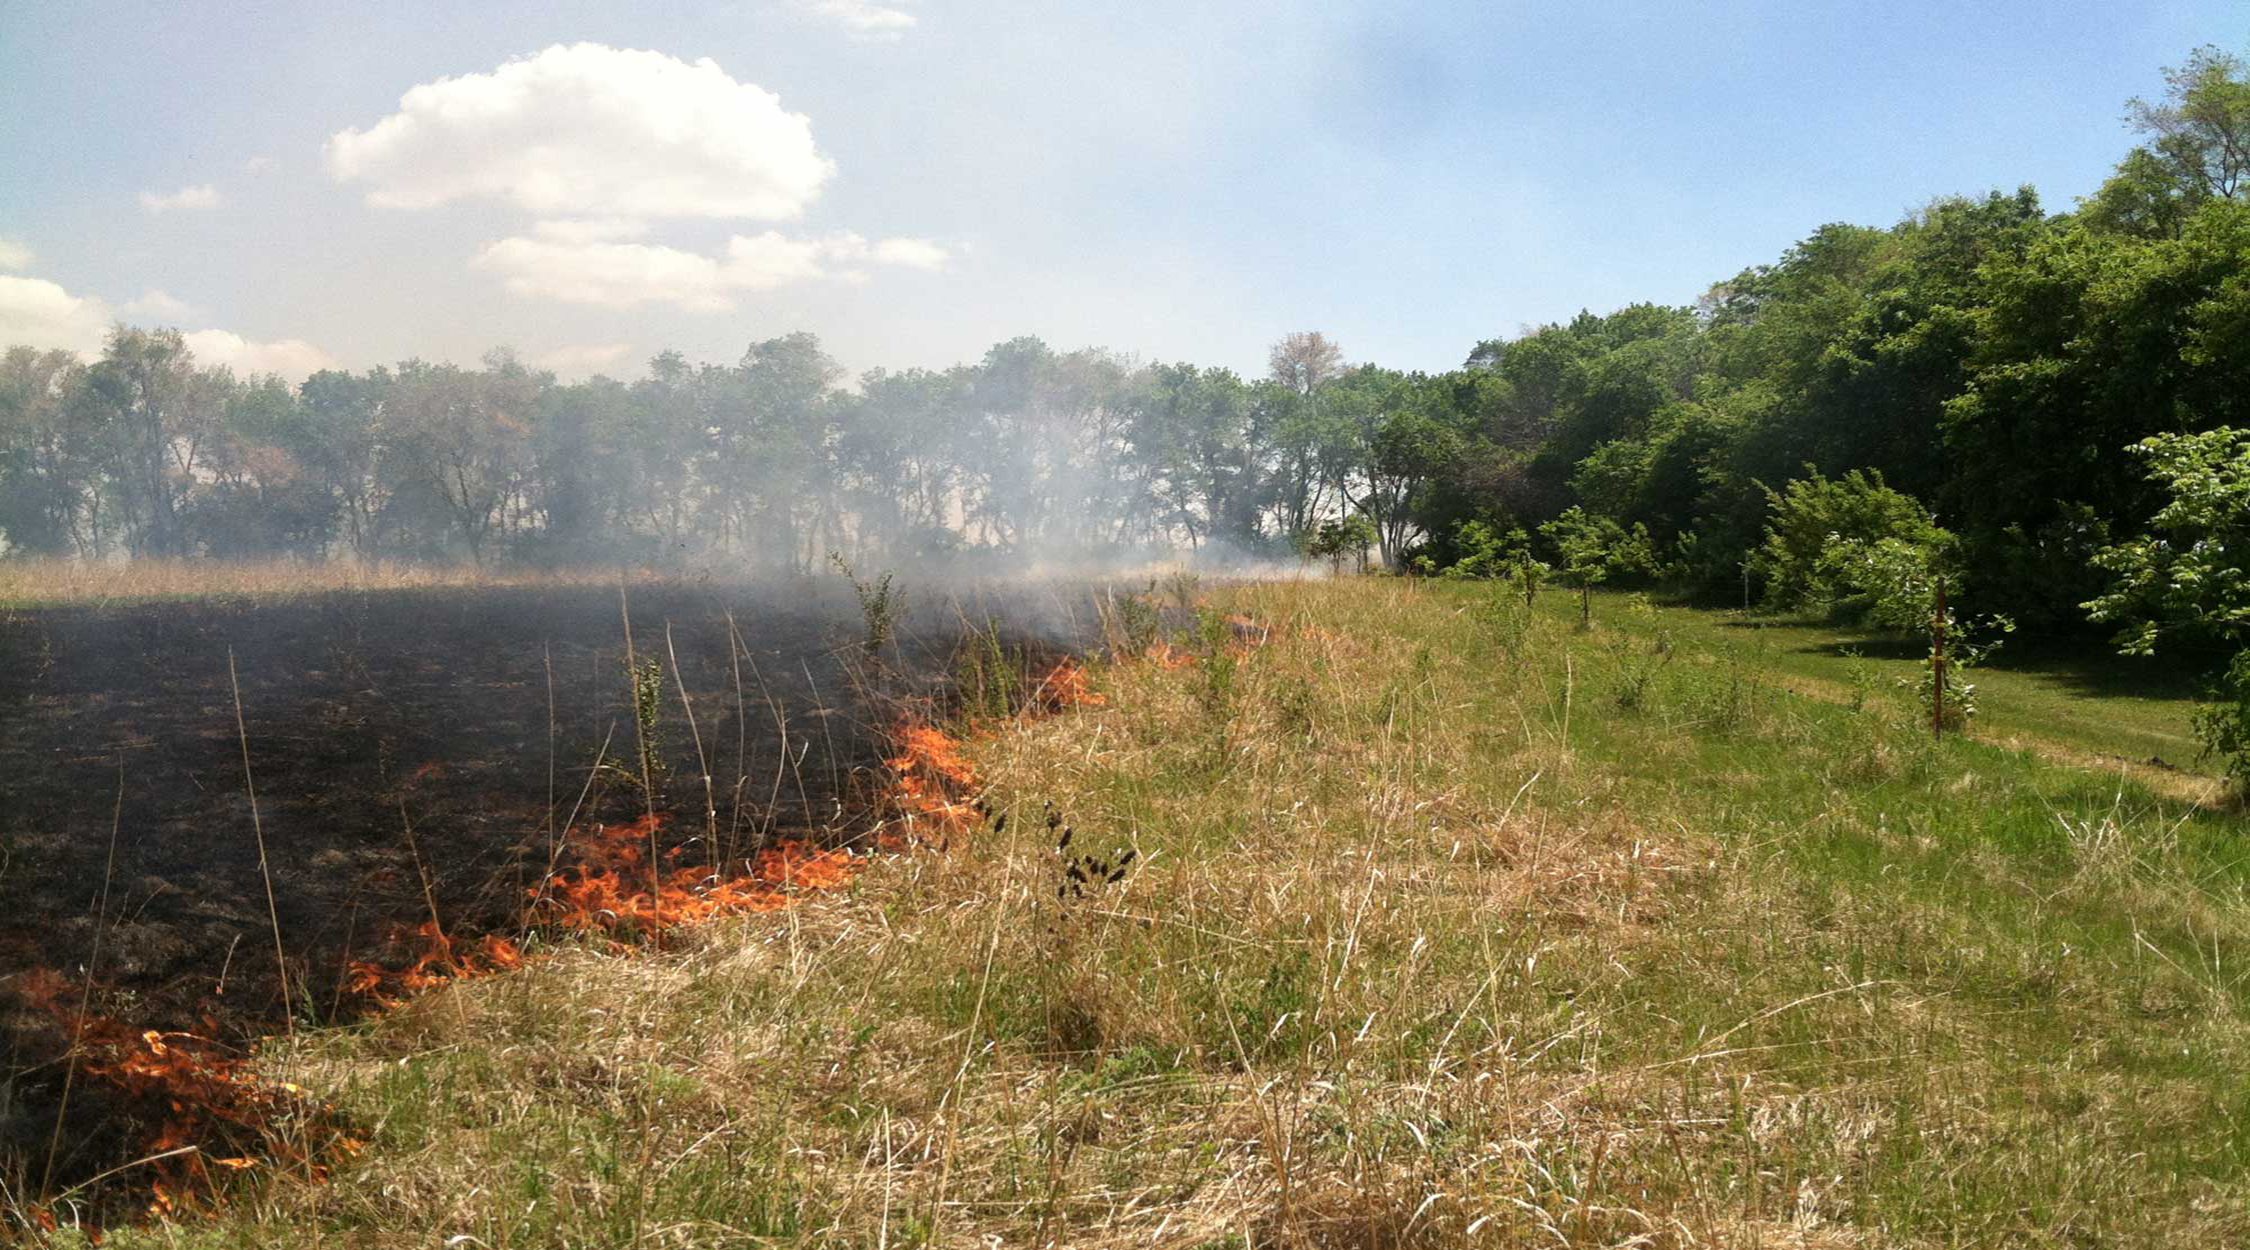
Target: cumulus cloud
[37,313]
[618,275]
[156,305]
[589,229]
[861,17]
[14,255]
[579,360]
[622,275]
[291,358]
[196,198]
[912,253]
[590,131]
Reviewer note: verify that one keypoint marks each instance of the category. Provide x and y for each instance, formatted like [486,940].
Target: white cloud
[912,253]
[198,197]
[37,313]
[861,17]
[587,130]
[622,275]
[158,305]
[291,358]
[589,229]
[579,360]
[615,274]
[257,164]
[14,255]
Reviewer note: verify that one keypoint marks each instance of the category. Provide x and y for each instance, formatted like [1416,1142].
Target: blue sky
[1180,181]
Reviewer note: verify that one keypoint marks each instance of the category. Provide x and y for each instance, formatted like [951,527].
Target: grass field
[1445,924]
[2071,697]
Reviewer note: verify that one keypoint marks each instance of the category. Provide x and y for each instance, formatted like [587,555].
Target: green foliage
[1967,645]
[2187,574]
[2187,577]
[990,678]
[1640,655]
[1132,622]
[2223,723]
[878,604]
[1595,548]
[1483,550]
[1831,540]
[1336,539]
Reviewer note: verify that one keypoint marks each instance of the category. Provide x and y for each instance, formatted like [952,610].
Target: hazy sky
[915,180]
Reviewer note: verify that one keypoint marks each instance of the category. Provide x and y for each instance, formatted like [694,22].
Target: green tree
[1595,549]
[47,464]
[1814,518]
[2187,577]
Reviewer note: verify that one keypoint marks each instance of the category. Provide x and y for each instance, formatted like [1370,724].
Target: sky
[313,185]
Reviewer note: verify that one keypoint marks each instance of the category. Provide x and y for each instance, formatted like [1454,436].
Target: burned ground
[475,717]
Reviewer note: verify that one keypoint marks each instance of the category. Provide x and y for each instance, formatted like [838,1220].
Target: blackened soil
[477,715]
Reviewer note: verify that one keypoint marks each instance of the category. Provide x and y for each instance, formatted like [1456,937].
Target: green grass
[2065,693]
[1448,925]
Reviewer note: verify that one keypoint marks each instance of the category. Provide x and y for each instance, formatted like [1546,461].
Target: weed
[1183,585]
[1087,886]
[1131,623]
[1637,669]
[648,715]
[1293,703]
[879,604]
[989,675]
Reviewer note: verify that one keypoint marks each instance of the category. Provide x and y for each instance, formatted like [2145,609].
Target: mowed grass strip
[1446,923]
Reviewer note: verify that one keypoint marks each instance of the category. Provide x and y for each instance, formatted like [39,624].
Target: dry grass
[26,582]
[1424,942]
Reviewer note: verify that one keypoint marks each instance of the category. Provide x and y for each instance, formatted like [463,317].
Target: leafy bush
[2186,575]
[1336,539]
[2224,724]
[1595,549]
[1487,551]
[1828,540]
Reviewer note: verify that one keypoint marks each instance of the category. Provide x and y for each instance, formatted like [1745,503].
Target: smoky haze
[1029,459]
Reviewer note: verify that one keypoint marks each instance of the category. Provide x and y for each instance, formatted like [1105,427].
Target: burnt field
[418,756]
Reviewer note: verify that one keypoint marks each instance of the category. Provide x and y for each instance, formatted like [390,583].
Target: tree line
[1985,359]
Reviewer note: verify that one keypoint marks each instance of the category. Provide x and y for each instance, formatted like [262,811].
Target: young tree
[1595,549]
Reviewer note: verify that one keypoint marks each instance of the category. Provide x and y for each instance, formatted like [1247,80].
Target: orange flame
[440,961]
[930,783]
[611,886]
[209,1096]
[1067,685]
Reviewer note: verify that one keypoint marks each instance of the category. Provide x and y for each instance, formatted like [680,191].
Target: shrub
[1822,530]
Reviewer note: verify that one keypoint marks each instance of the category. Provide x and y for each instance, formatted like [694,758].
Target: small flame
[611,886]
[207,1094]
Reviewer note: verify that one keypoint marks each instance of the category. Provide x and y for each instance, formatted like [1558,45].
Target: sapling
[1594,549]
